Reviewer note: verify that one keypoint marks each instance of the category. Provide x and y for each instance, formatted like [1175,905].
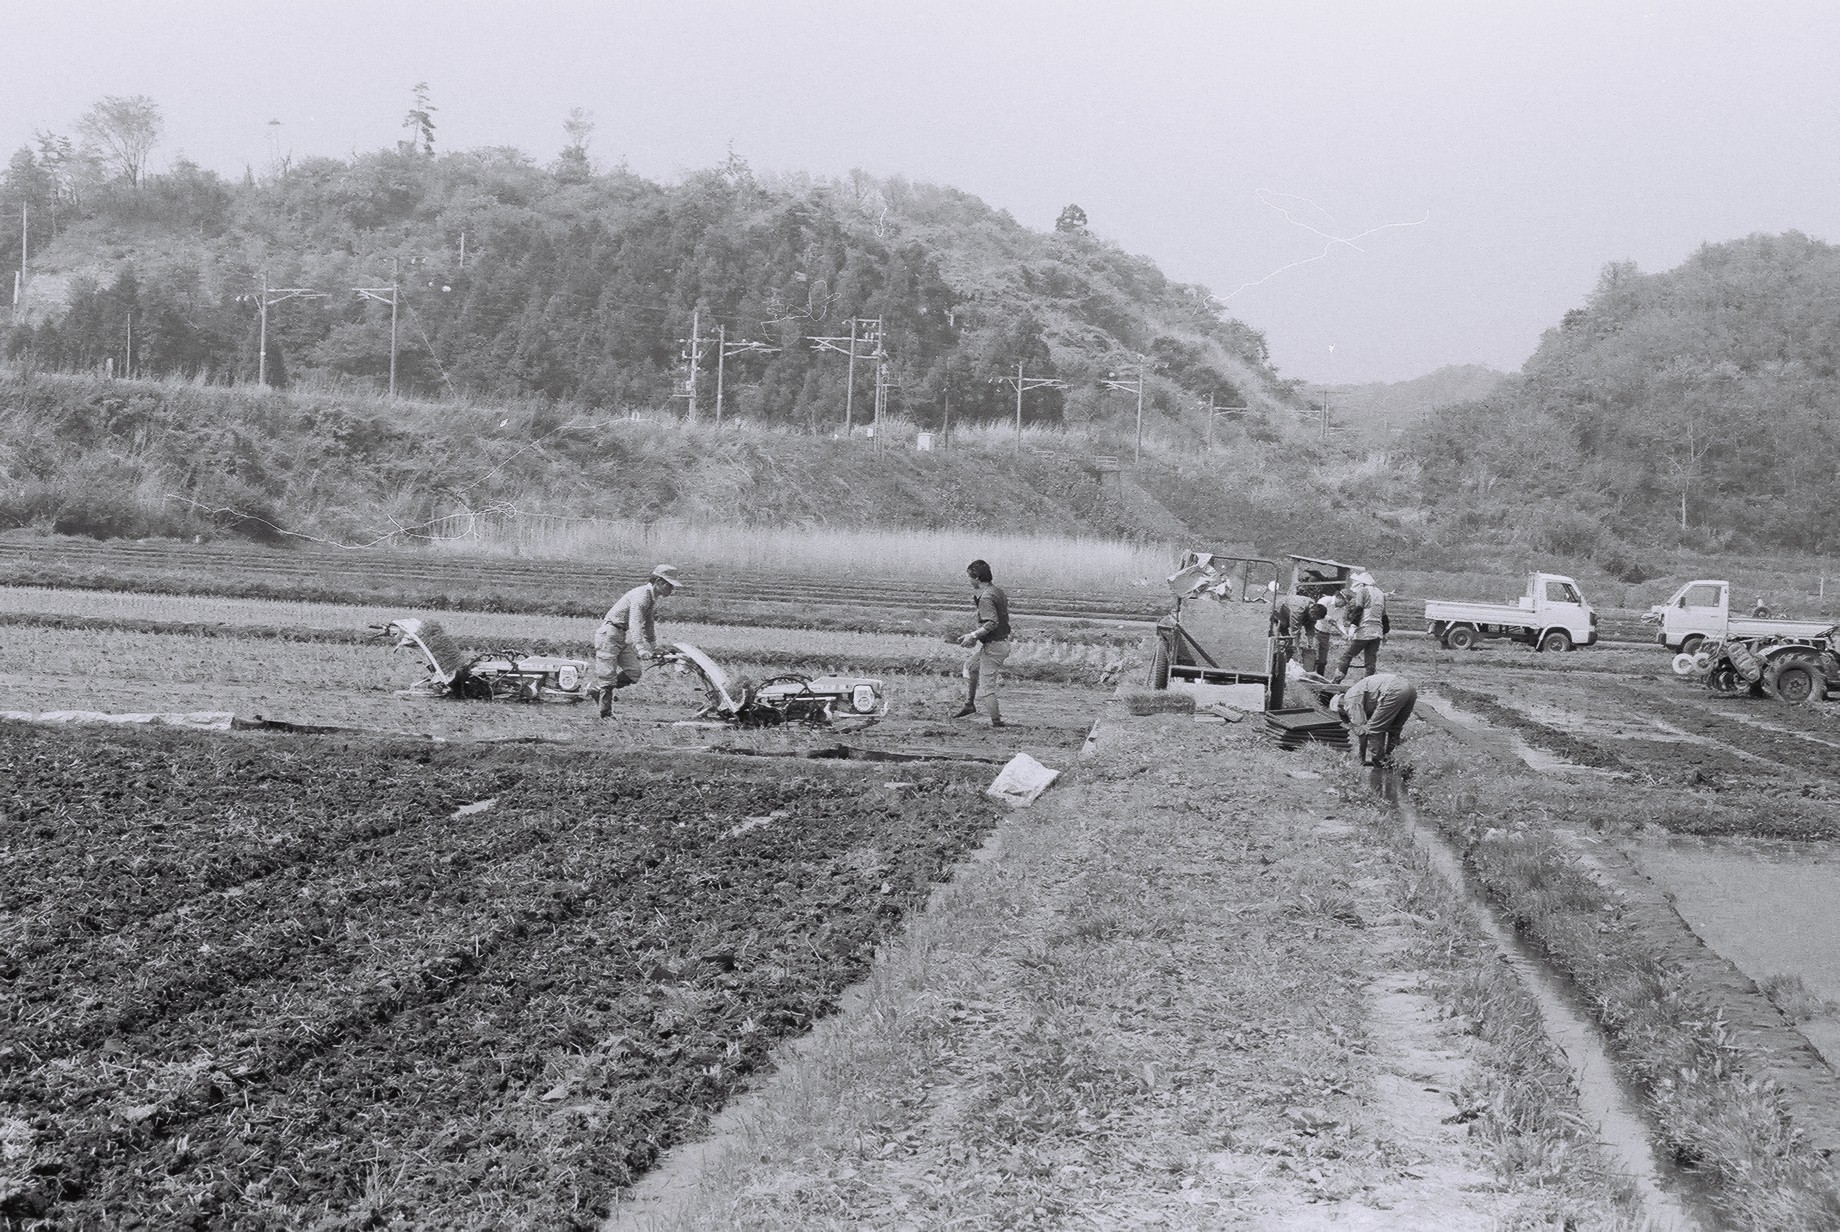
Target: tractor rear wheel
[1460,637]
[1795,679]
[1691,643]
[1556,640]
[1159,666]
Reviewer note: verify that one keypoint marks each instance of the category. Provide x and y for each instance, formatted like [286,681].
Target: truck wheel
[1556,640]
[1460,637]
[1691,643]
[1794,679]
[1159,666]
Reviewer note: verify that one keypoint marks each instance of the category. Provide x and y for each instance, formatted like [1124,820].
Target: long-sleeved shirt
[1379,703]
[629,621]
[1370,601]
[992,613]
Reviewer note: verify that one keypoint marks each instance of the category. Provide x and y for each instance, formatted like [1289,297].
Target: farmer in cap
[626,636]
[1366,606]
[988,643]
[1376,708]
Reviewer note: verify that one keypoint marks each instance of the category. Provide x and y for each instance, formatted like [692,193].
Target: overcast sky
[1490,156]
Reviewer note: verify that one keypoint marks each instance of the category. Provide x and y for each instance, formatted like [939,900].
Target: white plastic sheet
[1021,781]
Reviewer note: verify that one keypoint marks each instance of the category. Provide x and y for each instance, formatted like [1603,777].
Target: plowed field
[282,982]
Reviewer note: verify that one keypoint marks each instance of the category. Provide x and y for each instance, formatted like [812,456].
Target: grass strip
[1156,1005]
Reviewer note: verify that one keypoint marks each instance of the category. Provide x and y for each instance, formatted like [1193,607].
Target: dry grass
[1057,562]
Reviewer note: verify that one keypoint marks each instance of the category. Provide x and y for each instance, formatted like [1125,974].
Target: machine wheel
[1795,679]
[1725,679]
[1691,643]
[1556,640]
[1159,666]
[1460,637]
[1683,665]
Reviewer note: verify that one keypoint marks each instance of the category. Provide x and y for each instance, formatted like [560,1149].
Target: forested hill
[1699,406]
[522,279]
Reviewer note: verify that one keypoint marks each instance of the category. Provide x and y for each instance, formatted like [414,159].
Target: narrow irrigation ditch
[1664,1192]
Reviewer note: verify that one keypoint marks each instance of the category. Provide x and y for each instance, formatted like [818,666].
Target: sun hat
[666,573]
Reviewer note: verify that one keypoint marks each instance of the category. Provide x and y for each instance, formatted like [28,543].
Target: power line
[1137,386]
[872,338]
[1023,384]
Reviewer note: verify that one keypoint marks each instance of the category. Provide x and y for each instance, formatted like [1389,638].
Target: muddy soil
[355,686]
[277,982]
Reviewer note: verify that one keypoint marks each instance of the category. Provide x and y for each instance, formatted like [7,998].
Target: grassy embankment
[1528,839]
[1196,986]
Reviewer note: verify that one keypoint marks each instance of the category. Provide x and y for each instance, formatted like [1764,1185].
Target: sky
[1381,188]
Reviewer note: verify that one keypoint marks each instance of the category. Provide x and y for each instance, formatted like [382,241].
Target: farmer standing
[988,643]
[627,636]
[1376,708]
[1366,604]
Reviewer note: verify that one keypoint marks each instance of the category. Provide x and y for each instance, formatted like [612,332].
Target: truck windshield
[1704,595]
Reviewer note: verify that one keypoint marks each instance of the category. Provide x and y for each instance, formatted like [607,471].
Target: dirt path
[1199,986]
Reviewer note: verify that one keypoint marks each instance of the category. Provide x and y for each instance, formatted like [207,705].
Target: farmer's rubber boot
[606,707]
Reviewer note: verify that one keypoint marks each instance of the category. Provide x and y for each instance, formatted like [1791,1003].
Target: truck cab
[1700,612]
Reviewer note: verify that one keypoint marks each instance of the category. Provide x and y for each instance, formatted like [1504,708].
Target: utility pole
[1213,410]
[1320,413]
[725,348]
[377,293]
[871,338]
[1112,382]
[693,357]
[19,280]
[1023,384]
[881,392]
[269,297]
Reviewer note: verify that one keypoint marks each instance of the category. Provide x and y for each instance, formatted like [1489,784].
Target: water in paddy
[1768,907]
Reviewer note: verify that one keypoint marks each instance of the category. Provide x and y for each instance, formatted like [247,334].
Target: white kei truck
[1700,612]
[1552,615]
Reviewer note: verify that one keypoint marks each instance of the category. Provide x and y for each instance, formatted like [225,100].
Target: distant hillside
[1699,406]
[85,455]
[1377,413]
[519,280]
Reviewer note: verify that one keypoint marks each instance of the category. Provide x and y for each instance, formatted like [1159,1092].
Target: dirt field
[146,969]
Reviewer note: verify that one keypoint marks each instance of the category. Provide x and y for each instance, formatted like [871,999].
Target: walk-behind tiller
[514,676]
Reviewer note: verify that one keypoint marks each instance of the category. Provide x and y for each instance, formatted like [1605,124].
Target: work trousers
[1369,650]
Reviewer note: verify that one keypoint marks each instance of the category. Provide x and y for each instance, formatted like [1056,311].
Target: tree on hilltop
[1072,221]
[124,130]
[420,121]
[572,165]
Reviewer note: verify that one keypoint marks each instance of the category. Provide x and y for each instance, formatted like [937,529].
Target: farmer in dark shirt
[988,643]
[1303,622]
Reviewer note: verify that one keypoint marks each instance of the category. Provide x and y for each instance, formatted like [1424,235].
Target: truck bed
[1480,613]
